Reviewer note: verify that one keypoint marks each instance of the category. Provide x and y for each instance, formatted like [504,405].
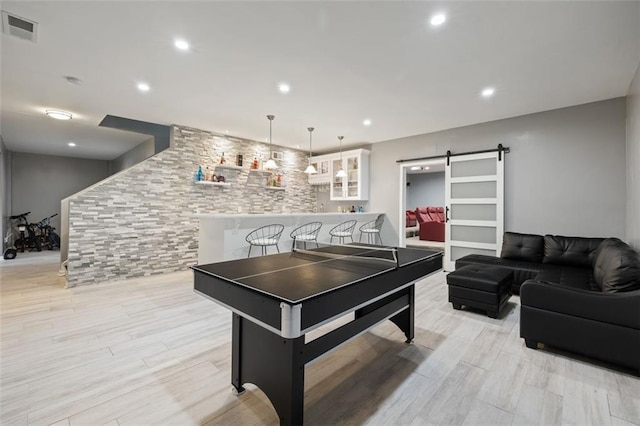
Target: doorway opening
[422,198]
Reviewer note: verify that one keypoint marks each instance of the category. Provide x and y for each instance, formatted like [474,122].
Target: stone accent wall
[140,222]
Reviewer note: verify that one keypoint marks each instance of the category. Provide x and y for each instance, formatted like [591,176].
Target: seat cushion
[264,242]
[306,237]
[370,230]
[341,234]
[479,277]
[616,267]
[568,276]
[522,270]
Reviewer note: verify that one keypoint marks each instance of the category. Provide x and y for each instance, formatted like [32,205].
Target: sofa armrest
[613,308]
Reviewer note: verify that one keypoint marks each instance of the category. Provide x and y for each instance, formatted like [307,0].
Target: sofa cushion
[568,276]
[528,247]
[570,251]
[522,270]
[616,267]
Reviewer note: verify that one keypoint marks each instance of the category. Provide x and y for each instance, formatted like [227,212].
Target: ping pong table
[277,299]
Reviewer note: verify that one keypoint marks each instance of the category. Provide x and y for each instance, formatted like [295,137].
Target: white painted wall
[565,173]
[633,163]
[426,190]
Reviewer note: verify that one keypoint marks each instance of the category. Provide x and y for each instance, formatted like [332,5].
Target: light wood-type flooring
[151,352]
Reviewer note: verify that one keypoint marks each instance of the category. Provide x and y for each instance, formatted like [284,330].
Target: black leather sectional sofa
[578,294]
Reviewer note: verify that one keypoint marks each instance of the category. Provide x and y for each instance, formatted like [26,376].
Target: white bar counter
[222,236]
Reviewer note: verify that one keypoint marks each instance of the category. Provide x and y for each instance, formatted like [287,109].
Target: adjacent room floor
[150,351]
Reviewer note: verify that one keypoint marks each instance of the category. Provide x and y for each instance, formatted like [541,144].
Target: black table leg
[405,319]
[273,363]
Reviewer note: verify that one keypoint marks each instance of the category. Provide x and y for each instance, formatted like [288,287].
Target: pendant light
[310,169]
[341,173]
[270,164]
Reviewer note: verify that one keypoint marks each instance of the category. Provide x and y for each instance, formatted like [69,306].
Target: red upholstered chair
[431,223]
[410,219]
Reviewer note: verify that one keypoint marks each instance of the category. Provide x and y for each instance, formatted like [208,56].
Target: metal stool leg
[277,248]
[250,245]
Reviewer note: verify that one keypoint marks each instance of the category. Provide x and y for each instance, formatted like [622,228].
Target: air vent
[19,27]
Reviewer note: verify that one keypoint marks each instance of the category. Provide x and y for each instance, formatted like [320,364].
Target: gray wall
[565,173]
[40,182]
[5,188]
[633,163]
[426,190]
[141,220]
[132,157]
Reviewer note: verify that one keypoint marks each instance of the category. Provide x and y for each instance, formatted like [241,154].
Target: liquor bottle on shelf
[254,164]
[207,174]
[222,159]
[199,174]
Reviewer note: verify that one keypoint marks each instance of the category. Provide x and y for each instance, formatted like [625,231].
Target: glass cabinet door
[352,177]
[324,168]
[337,189]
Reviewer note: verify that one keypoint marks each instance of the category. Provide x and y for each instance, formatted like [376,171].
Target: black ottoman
[480,287]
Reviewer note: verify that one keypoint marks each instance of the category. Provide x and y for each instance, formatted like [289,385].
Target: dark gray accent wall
[40,182]
[425,190]
[633,162]
[133,156]
[566,173]
[160,133]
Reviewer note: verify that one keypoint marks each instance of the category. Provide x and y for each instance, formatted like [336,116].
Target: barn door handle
[446,214]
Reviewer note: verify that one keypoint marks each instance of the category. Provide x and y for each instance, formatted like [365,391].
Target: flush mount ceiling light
[438,19]
[341,173]
[366,122]
[143,87]
[310,169]
[270,164]
[59,115]
[71,144]
[414,168]
[284,88]
[488,92]
[181,44]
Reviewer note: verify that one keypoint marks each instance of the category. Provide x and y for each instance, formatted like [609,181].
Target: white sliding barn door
[474,198]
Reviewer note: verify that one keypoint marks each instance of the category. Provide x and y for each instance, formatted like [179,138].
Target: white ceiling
[345,61]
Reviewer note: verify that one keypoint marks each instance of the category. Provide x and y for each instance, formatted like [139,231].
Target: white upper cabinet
[355,185]
[321,163]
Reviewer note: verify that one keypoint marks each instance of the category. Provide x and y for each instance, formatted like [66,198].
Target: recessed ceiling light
[298,146]
[181,44]
[488,92]
[425,168]
[284,88]
[59,115]
[143,87]
[438,19]
[71,144]
[366,122]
